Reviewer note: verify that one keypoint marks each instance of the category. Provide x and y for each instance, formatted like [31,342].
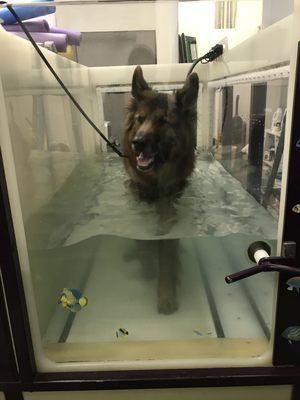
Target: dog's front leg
[169,265]
[147,251]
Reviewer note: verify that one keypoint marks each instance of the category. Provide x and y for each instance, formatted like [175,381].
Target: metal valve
[259,252]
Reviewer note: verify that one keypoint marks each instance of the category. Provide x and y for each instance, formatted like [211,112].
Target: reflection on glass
[248,137]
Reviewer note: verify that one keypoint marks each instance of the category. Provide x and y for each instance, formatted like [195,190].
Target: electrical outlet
[224,43]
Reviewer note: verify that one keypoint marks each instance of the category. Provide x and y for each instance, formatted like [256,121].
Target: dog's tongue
[144,161]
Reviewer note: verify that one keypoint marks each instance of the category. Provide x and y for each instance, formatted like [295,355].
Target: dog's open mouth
[144,162]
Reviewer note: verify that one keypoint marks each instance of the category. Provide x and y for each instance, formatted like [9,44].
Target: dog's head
[159,126]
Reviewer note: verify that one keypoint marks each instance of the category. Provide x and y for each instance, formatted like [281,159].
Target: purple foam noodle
[74,37]
[59,39]
[33,26]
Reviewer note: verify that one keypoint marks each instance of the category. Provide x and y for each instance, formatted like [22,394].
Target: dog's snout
[139,142]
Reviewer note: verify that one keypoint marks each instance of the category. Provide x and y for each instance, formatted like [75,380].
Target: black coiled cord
[213,53]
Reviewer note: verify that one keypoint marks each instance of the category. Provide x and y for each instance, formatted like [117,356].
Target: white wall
[197,18]
[167,31]
[159,16]
[107,17]
[274,10]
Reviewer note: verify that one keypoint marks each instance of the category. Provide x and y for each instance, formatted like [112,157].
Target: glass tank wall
[99,262]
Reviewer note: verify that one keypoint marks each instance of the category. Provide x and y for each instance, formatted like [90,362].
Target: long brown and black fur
[159,141]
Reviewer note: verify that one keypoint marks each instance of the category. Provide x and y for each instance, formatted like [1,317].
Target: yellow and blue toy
[72,299]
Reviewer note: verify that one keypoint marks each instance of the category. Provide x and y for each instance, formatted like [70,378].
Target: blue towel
[24,13]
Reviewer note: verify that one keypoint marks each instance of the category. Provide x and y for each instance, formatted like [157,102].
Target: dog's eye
[140,118]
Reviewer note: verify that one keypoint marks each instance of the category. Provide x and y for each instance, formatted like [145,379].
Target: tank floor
[120,297]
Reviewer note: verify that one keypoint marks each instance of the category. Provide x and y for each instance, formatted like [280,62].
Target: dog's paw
[167,304]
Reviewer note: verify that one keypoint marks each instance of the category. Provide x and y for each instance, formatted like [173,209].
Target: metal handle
[260,253]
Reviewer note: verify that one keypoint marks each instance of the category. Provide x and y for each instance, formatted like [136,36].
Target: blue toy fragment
[292,334]
[294,283]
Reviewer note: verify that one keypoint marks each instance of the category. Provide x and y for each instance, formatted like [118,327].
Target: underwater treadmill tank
[90,248]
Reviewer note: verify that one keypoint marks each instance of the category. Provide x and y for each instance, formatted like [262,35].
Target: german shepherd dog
[160,141]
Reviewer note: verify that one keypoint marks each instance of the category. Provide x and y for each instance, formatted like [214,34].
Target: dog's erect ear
[187,96]
[139,85]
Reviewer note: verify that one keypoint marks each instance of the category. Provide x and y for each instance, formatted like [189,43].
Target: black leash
[74,101]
